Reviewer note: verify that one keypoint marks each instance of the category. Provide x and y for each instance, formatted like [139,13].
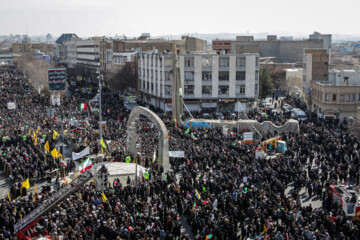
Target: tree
[36,70]
[354,128]
[279,79]
[266,86]
[121,79]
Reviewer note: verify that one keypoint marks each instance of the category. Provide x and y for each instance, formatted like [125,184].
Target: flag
[63,162]
[35,143]
[187,131]
[15,210]
[102,143]
[154,156]
[65,182]
[34,200]
[9,197]
[34,135]
[197,194]
[197,236]
[29,132]
[104,198]
[37,130]
[138,214]
[47,147]
[85,165]
[60,155]
[75,174]
[194,204]
[85,142]
[55,153]
[82,106]
[55,134]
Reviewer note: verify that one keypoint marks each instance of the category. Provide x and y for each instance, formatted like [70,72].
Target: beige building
[340,100]
[28,47]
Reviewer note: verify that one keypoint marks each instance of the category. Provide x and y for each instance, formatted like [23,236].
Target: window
[189,89]
[223,76]
[240,75]
[223,89]
[240,62]
[359,97]
[206,76]
[347,97]
[167,90]
[256,89]
[257,76]
[327,97]
[206,89]
[167,76]
[189,76]
[240,89]
[152,87]
[334,97]
[224,62]
[147,86]
[341,98]
[168,63]
[189,62]
[257,61]
[353,97]
[206,62]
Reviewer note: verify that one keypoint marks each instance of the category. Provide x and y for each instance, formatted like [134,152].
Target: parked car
[298,114]
[206,116]
[219,116]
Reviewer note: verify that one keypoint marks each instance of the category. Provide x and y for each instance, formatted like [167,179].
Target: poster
[177,154]
[11,105]
[57,77]
[248,137]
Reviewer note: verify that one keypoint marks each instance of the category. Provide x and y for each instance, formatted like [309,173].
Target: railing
[54,199]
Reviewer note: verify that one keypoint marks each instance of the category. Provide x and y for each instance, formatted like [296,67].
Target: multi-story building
[88,53]
[60,48]
[70,52]
[208,81]
[284,50]
[316,67]
[31,48]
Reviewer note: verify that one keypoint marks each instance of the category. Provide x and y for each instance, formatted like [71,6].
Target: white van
[298,114]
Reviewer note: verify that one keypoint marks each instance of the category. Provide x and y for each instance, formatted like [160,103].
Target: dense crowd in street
[219,187]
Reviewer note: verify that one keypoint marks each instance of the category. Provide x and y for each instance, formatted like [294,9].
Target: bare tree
[121,79]
[354,128]
[36,70]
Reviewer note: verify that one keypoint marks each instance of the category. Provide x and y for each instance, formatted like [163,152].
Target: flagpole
[136,174]
[100,119]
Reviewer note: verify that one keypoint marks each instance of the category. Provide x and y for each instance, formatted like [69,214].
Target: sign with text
[248,137]
[177,154]
[11,105]
[57,77]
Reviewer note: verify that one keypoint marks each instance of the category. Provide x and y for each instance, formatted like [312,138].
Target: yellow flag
[85,142]
[29,132]
[20,216]
[75,174]
[15,210]
[55,134]
[35,143]
[46,146]
[55,153]
[104,198]
[9,197]
[65,182]
[102,143]
[37,130]
[60,155]
[27,183]
[34,135]
[34,192]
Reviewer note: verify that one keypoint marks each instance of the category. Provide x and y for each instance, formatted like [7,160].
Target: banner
[177,154]
[248,137]
[80,154]
[11,105]
[57,77]
[197,124]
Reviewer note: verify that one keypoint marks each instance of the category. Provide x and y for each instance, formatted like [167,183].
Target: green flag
[187,131]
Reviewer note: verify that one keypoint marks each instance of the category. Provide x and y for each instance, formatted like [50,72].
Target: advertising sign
[57,77]
[11,105]
[197,124]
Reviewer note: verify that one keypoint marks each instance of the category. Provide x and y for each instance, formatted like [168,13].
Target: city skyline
[160,17]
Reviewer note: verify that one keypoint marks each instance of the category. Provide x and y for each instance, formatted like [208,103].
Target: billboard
[57,77]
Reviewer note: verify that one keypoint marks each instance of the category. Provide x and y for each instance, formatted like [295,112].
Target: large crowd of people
[219,189]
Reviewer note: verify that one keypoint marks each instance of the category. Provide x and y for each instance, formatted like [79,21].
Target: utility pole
[100,119]
[177,108]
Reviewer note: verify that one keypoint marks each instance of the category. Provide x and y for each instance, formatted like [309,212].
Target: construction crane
[176,93]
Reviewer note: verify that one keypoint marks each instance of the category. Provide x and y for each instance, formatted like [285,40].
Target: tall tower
[177,106]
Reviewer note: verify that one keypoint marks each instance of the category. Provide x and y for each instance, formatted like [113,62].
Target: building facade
[316,68]
[60,48]
[88,53]
[208,81]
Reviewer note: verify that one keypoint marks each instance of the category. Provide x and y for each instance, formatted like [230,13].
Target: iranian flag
[83,106]
[85,165]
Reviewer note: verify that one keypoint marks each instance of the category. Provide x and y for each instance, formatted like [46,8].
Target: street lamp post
[100,118]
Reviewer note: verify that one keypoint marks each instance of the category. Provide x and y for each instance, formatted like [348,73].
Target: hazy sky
[160,17]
